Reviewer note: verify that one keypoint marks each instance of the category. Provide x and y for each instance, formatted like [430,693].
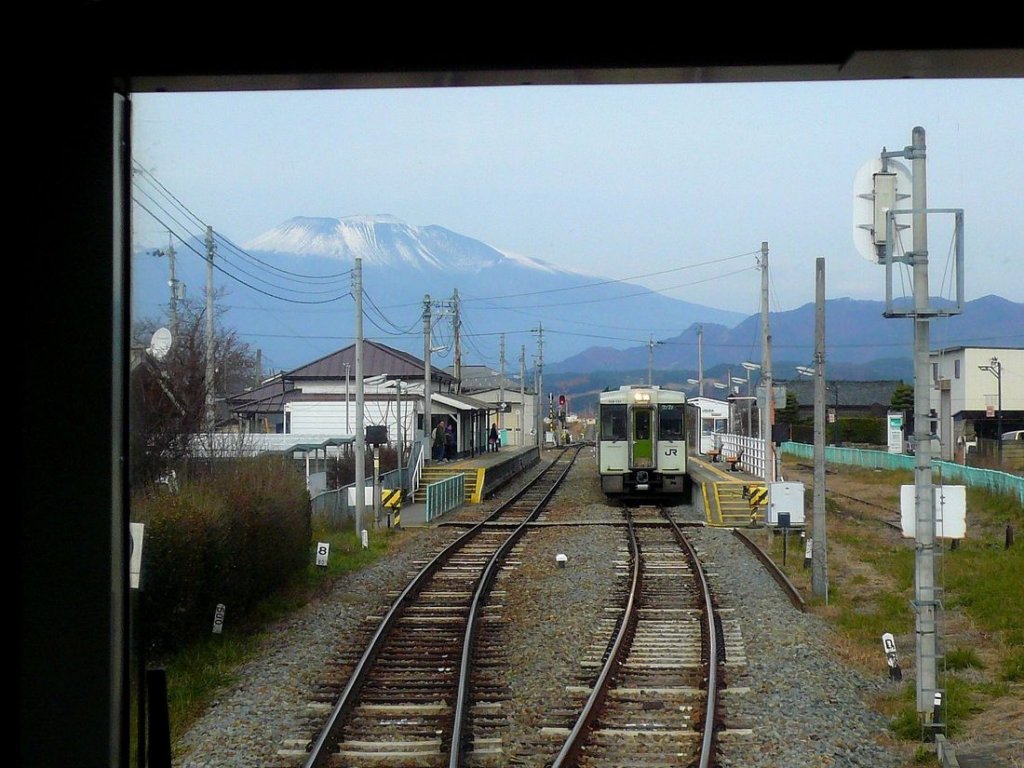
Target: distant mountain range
[285,295]
[858,336]
[500,292]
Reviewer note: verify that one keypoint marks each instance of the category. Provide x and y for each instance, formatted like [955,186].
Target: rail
[319,755]
[574,743]
[780,578]
[479,595]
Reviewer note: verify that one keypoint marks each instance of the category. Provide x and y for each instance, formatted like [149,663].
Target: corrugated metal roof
[377,359]
[461,402]
[269,397]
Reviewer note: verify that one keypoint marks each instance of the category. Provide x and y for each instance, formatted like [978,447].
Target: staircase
[437,472]
[734,507]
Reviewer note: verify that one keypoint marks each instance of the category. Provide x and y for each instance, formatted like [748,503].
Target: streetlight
[748,367]
[732,390]
[996,369]
[397,384]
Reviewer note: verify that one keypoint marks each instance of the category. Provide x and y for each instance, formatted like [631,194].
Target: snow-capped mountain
[385,241]
[287,294]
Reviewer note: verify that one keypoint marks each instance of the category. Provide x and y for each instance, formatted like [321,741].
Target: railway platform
[731,497]
[484,473]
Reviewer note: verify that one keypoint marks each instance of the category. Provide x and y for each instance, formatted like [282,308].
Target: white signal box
[950,511]
[785,498]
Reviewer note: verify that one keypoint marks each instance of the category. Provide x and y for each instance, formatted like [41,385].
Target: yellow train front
[641,444]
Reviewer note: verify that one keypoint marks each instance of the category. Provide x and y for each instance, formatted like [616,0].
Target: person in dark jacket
[437,441]
[449,442]
[492,439]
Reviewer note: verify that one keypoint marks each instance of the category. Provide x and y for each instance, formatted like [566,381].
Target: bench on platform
[733,460]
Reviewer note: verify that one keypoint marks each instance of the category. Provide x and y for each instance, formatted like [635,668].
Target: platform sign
[950,511]
[894,424]
[135,553]
[323,550]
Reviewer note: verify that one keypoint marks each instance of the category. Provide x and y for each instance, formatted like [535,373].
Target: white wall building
[965,394]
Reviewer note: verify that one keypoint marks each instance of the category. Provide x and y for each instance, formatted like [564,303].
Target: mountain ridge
[297,303]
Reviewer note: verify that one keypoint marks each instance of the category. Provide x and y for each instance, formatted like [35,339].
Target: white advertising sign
[895,432]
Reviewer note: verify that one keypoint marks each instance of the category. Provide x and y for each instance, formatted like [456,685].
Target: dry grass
[870,570]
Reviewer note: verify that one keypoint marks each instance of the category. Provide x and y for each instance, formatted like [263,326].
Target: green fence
[445,495]
[998,482]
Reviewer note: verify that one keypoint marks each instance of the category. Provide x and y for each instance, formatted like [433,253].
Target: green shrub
[232,535]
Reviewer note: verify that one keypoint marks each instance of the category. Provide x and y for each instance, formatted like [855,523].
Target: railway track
[410,699]
[652,698]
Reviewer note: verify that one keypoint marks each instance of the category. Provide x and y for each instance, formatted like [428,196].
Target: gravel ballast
[801,706]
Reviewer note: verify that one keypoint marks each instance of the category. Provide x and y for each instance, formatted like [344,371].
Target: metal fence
[332,507]
[990,479]
[445,495]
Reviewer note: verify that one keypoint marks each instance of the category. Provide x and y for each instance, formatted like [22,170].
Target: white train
[641,444]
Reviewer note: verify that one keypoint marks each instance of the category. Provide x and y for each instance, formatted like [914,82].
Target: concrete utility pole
[428,438]
[768,409]
[357,292]
[819,549]
[700,360]
[457,331]
[522,395]
[211,412]
[501,385]
[926,598]
[540,384]
[172,282]
[650,361]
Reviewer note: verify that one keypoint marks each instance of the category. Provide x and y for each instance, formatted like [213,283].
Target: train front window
[670,422]
[613,422]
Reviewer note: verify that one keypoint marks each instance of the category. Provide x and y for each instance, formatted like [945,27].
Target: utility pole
[348,399]
[172,282]
[881,185]
[457,331]
[357,292]
[768,411]
[700,360]
[522,394]
[211,413]
[819,549]
[540,384]
[501,385]
[650,361]
[996,369]
[428,439]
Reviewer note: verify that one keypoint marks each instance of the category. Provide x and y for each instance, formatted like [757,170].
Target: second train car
[641,444]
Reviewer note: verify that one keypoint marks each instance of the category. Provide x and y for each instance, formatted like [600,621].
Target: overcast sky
[615,181]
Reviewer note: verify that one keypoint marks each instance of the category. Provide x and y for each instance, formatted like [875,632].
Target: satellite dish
[160,344]
[869,222]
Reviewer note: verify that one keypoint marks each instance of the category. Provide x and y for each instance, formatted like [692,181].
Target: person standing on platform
[449,442]
[438,441]
[492,439]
